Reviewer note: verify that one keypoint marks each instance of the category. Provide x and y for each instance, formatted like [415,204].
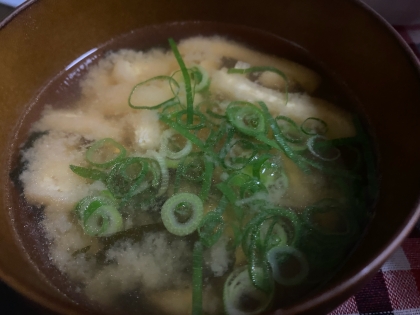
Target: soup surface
[201,177]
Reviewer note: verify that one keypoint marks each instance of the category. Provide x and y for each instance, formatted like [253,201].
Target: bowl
[42,37]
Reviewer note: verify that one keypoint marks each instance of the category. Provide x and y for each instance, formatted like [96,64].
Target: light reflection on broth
[273,176]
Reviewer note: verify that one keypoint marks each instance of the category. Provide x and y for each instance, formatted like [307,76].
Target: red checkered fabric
[395,289]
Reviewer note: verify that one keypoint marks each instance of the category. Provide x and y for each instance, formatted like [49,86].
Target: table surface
[395,289]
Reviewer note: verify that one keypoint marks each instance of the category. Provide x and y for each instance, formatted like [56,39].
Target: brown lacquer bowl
[42,37]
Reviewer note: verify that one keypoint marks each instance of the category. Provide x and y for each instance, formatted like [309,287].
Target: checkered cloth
[395,289]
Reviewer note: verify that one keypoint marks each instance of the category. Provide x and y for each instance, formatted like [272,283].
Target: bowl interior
[47,35]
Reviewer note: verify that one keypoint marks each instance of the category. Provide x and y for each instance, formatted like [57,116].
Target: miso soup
[193,176]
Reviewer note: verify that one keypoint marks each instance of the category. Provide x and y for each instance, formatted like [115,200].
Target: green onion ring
[289,129]
[314,126]
[211,228]
[120,183]
[164,148]
[203,79]
[333,155]
[86,206]
[104,221]
[246,117]
[237,285]
[170,220]
[168,102]
[281,141]
[89,173]
[104,153]
[164,182]
[273,259]
[190,126]
[238,162]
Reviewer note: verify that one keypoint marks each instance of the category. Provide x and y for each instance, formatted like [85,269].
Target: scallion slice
[327,217]
[104,153]
[165,147]
[201,77]
[192,204]
[211,228]
[198,122]
[187,81]
[288,264]
[289,129]
[197,279]
[104,221]
[326,152]
[164,173]
[89,204]
[207,178]
[89,173]
[239,154]
[281,140]
[165,103]
[314,126]
[241,297]
[126,176]
[246,118]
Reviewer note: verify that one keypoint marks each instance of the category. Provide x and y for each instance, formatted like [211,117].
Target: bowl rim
[352,280]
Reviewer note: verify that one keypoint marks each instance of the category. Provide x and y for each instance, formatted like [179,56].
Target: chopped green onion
[89,173]
[258,268]
[187,80]
[327,217]
[211,228]
[190,126]
[239,154]
[201,77]
[241,297]
[314,126]
[207,178]
[169,213]
[104,221]
[185,132]
[164,181]
[89,204]
[272,234]
[326,152]
[237,187]
[287,219]
[284,260]
[104,153]
[209,109]
[193,167]
[289,129]
[197,279]
[246,117]
[165,103]
[174,155]
[281,141]
[126,176]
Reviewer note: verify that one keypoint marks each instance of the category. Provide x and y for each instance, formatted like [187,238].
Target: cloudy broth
[291,193]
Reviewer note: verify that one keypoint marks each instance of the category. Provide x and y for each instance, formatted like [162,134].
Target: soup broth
[222,172]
